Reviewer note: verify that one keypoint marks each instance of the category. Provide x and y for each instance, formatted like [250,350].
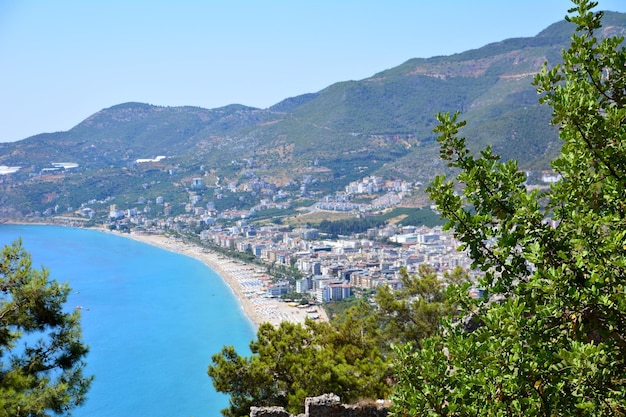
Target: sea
[152,319]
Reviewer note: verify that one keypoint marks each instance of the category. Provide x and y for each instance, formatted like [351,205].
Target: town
[314,265]
[296,261]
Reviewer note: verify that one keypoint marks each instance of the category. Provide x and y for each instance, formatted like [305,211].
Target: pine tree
[41,352]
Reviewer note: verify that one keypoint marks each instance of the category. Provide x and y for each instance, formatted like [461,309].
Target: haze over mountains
[381,125]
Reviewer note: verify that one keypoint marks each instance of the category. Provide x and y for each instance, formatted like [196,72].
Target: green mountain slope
[380,125]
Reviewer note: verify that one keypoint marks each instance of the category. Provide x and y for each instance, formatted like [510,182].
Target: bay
[152,319]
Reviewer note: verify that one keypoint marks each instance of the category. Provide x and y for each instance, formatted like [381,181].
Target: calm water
[152,319]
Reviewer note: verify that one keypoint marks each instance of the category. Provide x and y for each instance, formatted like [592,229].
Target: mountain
[381,125]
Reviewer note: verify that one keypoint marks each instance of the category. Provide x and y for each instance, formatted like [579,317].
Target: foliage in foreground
[41,352]
[291,361]
[550,340]
[350,355]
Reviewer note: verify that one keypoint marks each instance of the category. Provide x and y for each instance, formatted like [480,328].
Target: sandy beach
[245,280]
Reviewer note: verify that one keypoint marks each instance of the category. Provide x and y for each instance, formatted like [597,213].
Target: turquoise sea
[152,319]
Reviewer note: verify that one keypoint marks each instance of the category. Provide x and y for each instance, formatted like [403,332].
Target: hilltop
[303,147]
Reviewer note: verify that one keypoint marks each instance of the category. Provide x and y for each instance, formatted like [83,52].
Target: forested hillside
[539,332]
[381,125]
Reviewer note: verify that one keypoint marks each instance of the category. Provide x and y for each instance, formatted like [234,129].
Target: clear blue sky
[62,61]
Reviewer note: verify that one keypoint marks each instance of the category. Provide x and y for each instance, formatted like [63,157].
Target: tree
[349,356]
[414,311]
[294,361]
[41,352]
[550,337]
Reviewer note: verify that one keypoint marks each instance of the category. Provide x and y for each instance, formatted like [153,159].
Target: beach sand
[245,280]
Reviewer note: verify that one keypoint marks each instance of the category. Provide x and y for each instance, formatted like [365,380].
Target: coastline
[244,280]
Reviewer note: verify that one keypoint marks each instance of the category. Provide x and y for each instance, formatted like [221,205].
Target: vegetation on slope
[545,339]
[380,125]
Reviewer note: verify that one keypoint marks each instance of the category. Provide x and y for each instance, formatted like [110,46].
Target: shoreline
[244,280]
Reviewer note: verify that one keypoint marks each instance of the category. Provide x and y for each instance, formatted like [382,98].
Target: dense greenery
[292,361]
[413,312]
[549,340]
[41,352]
[349,226]
[414,216]
[350,355]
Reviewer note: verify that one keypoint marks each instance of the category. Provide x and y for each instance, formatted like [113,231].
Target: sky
[62,61]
